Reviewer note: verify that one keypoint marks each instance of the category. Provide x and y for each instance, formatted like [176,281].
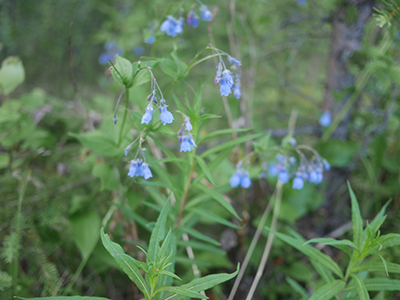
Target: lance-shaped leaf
[204,168]
[379,219]
[182,292]
[356,219]
[329,290]
[377,267]
[202,284]
[325,274]
[360,287]
[297,287]
[342,244]
[377,284]
[131,270]
[311,252]
[158,234]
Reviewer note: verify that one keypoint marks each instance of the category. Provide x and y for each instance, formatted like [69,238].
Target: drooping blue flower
[292,141]
[150,40]
[246,181]
[105,57]
[115,120]
[312,176]
[325,119]
[146,172]
[148,115]
[327,166]
[228,77]
[206,14]
[188,125]
[186,145]
[237,93]
[138,50]
[283,176]
[235,180]
[192,19]
[172,26]
[234,61]
[133,169]
[273,170]
[111,50]
[165,116]
[224,88]
[298,183]
[319,178]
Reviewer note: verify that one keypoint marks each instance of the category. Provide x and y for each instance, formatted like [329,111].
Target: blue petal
[246,181]
[283,176]
[146,172]
[235,180]
[206,14]
[165,116]
[298,183]
[224,88]
[147,116]
[237,93]
[185,146]
[273,170]
[150,40]
[133,169]
[325,119]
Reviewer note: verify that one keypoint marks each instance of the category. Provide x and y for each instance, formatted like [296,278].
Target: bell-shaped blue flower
[228,77]
[148,115]
[206,14]
[133,169]
[283,176]
[246,181]
[327,166]
[224,88]
[298,183]
[325,119]
[186,145]
[273,170]
[235,180]
[172,26]
[146,172]
[319,178]
[188,125]
[150,40]
[165,116]
[236,92]
[192,19]
[312,176]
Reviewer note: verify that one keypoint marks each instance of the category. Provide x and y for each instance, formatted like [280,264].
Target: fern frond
[5,281]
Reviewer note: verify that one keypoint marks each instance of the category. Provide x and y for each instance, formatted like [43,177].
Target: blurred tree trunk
[348,25]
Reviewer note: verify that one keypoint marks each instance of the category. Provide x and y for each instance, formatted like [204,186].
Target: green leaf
[141,77]
[231,144]
[204,168]
[182,292]
[339,153]
[107,175]
[214,217]
[168,273]
[389,240]
[204,283]
[360,287]
[65,298]
[131,261]
[311,252]
[200,236]
[329,290]
[356,219]
[181,66]
[12,74]
[323,272]
[169,68]
[85,228]
[333,242]
[379,218]
[4,160]
[377,284]
[158,233]
[221,200]
[202,246]
[97,142]
[131,270]
[297,287]
[224,131]
[122,70]
[377,267]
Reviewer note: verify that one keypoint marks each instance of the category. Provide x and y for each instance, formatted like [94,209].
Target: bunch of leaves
[366,242]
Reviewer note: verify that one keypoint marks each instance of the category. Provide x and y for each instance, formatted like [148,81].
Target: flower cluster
[185,136]
[139,168]
[173,26]
[111,50]
[286,167]
[240,178]
[325,119]
[156,98]
[224,78]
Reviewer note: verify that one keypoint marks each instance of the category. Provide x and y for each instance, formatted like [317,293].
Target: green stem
[186,190]
[14,266]
[75,277]
[124,118]
[359,87]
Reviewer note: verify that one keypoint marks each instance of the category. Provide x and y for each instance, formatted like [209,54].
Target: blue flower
[246,181]
[139,168]
[115,120]
[228,77]
[206,14]
[302,2]
[146,172]
[138,50]
[237,93]
[148,115]
[224,89]
[234,61]
[172,26]
[327,166]
[165,116]
[188,126]
[235,180]
[273,170]
[104,58]
[325,119]
[312,176]
[187,145]
[193,19]
[319,178]
[298,183]
[111,50]
[150,40]
[283,176]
